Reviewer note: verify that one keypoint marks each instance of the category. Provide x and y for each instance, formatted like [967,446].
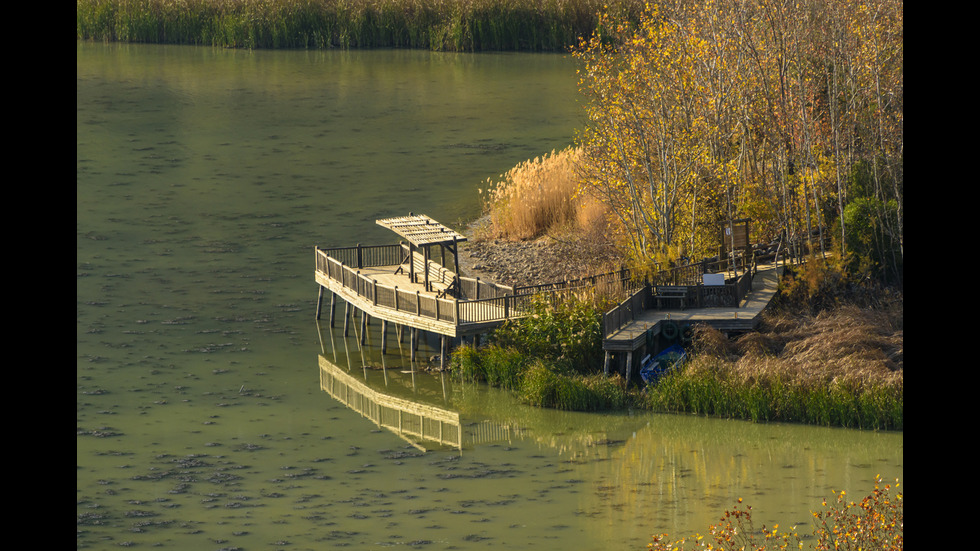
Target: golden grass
[538,197]
[850,344]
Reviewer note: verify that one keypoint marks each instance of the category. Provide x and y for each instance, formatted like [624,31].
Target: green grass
[831,403]
[451,25]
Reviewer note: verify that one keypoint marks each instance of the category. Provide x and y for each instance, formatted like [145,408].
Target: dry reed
[841,367]
[849,344]
[538,197]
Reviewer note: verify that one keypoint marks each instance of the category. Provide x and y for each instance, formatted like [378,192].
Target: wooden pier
[402,284]
[640,321]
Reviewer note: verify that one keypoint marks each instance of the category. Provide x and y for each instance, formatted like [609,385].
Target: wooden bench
[443,290]
[670,292]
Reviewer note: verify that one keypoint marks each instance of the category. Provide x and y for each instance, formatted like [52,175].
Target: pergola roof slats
[421,230]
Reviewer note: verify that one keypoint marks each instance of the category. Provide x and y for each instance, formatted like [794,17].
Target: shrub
[495,365]
[466,364]
[567,335]
[876,522]
[543,387]
[534,196]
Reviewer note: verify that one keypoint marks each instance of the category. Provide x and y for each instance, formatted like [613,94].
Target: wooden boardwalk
[402,284]
[743,318]
[387,291]
[650,323]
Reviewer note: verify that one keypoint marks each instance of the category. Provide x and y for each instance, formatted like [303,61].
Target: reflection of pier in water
[415,422]
[428,411]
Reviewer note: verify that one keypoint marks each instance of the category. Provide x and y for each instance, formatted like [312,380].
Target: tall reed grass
[834,403]
[544,387]
[451,25]
[841,368]
[541,196]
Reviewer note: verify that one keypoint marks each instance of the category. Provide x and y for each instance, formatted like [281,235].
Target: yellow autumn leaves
[701,111]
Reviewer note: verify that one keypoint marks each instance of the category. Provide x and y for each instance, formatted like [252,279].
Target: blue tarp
[666,360]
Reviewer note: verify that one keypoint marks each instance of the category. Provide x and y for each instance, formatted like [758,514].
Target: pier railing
[627,310]
[490,302]
[363,256]
[480,302]
[690,278]
[610,284]
[380,295]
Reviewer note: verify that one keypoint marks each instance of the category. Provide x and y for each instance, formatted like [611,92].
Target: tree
[702,111]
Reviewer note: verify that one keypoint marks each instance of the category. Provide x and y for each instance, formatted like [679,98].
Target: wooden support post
[319,300]
[411,262]
[605,364]
[629,366]
[425,266]
[443,347]
[413,334]
[455,255]
[363,326]
[333,306]
[384,337]
[347,316]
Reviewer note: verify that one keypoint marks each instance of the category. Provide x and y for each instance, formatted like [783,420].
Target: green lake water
[204,179]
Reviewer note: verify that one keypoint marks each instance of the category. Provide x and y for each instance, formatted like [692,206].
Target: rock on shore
[543,260]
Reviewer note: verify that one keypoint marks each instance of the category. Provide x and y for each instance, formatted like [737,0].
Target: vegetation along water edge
[442,25]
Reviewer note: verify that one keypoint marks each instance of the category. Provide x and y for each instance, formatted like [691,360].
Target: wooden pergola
[422,232]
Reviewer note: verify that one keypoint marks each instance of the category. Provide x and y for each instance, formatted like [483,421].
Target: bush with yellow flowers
[876,522]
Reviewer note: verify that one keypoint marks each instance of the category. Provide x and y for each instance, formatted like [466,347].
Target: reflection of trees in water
[677,466]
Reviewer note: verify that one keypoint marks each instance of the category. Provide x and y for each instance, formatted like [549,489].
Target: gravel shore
[543,260]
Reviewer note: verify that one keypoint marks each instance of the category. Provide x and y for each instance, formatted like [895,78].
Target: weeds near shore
[550,359]
[539,198]
[839,368]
